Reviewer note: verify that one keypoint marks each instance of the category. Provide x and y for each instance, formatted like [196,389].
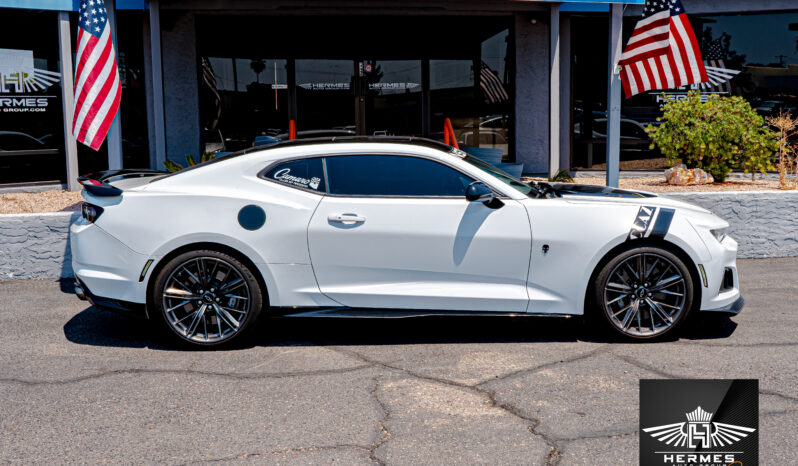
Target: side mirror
[479,191]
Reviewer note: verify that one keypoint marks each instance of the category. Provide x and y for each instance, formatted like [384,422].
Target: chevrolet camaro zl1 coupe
[389,227]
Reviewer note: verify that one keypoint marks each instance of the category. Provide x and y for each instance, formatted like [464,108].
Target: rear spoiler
[99,184]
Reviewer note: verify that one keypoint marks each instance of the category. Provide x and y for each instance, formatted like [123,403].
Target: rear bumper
[732,309]
[106,266]
[128,308]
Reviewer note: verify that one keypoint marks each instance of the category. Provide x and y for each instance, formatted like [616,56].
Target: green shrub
[717,136]
[562,176]
[173,166]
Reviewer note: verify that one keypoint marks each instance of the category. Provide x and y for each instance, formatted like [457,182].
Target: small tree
[717,136]
[787,149]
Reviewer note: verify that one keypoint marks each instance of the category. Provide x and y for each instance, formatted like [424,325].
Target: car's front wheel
[207,297]
[644,292]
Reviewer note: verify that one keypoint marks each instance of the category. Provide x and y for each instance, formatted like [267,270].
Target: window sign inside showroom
[31,114]
[21,83]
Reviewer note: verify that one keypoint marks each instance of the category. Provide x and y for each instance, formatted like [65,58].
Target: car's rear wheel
[644,293]
[207,297]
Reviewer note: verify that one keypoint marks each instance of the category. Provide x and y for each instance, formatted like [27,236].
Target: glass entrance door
[324,97]
[363,97]
[393,97]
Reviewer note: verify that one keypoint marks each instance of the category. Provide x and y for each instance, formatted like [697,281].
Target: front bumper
[732,309]
[721,291]
[128,308]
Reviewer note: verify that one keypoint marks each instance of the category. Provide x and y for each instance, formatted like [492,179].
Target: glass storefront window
[475,95]
[761,50]
[242,99]
[31,112]
[133,109]
[453,96]
[361,80]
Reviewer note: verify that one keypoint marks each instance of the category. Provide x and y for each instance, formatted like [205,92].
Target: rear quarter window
[303,173]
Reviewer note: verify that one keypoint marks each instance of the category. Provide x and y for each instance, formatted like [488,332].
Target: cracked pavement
[84,386]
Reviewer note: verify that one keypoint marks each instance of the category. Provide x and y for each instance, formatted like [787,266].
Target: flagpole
[554,89]
[614,96]
[68,100]
[115,132]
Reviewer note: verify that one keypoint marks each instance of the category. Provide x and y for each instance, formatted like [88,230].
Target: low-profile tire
[207,298]
[643,293]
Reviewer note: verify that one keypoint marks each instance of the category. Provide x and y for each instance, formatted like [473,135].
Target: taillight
[90,212]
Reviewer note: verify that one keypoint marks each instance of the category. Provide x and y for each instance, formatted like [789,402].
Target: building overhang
[73,5]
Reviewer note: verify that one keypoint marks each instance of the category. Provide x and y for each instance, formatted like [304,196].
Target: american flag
[97,87]
[492,87]
[663,52]
[719,76]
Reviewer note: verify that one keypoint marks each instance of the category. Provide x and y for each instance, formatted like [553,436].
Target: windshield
[498,173]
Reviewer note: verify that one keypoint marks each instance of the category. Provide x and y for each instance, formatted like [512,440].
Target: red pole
[445,132]
[448,126]
[291,130]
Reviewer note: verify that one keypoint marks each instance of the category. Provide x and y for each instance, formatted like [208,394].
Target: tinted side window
[302,173]
[390,175]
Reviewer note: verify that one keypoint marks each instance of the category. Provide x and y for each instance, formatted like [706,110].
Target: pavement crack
[233,376]
[778,395]
[554,457]
[555,451]
[778,413]
[530,370]
[601,435]
[667,375]
[645,366]
[384,434]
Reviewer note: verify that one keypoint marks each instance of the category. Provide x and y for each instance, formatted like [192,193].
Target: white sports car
[389,227]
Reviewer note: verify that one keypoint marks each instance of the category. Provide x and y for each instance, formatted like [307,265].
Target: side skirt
[350,313]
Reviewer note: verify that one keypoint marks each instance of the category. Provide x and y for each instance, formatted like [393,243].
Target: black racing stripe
[662,224]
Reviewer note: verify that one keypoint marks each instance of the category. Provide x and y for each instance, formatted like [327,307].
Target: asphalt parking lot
[81,385]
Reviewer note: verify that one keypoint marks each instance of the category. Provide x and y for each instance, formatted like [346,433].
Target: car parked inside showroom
[389,227]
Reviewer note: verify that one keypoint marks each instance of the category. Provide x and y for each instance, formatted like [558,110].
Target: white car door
[396,232]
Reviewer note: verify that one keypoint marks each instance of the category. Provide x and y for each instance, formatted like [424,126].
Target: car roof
[409,140]
[412,140]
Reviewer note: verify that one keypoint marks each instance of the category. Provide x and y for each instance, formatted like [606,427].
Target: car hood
[603,194]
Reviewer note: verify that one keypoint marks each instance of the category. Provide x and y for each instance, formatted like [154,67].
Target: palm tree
[258,66]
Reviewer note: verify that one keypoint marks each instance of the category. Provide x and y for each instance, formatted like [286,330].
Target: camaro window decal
[285,176]
[646,216]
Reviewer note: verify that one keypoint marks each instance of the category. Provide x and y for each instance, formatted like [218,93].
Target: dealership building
[528,77]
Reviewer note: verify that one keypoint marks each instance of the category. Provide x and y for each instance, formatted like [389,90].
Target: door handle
[347,219]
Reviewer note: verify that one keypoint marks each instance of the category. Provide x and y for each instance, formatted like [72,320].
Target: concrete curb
[765,223]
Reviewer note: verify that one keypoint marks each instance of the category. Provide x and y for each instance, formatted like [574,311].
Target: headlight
[719,234]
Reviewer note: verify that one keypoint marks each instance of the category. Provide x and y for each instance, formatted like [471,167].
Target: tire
[645,305]
[207,298]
